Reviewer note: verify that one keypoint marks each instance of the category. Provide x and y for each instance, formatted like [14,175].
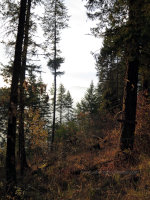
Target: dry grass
[79,170]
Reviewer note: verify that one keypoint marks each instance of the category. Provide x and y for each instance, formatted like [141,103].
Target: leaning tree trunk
[12,115]
[22,153]
[130,92]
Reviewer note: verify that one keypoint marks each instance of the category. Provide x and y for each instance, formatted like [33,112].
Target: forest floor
[89,166]
[85,168]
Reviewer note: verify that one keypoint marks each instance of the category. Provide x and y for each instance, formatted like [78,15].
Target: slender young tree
[55,19]
[69,107]
[90,101]
[61,102]
[12,114]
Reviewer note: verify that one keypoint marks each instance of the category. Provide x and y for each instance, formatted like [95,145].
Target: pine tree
[11,134]
[144,72]
[22,153]
[10,15]
[133,63]
[110,65]
[61,102]
[89,104]
[9,18]
[55,19]
[69,107]
[127,17]
[4,103]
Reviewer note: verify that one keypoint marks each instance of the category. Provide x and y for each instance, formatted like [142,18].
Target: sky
[76,45]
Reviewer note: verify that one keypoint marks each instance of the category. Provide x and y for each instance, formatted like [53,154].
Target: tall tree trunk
[55,76]
[22,153]
[130,93]
[12,115]
[60,120]
[54,108]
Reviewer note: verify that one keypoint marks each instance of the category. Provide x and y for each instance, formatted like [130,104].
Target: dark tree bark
[55,84]
[54,109]
[60,115]
[22,153]
[130,93]
[12,115]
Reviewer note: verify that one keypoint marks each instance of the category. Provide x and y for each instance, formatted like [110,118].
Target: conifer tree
[133,63]
[12,116]
[89,103]
[110,66]
[10,15]
[22,153]
[61,102]
[127,17]
[69,107]
[4,102]
[55,19]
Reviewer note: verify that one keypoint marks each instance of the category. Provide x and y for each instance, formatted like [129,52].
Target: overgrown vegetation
[87,163]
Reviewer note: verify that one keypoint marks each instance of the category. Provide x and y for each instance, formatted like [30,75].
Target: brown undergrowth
[89,166]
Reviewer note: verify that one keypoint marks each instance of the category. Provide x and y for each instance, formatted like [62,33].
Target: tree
[110,65]
[69,107]
[144,71]
[22,154]
[10,15]
[89,103]
[55,19]
[36,97]
[4,102]
[111,61]
[127,17]
[61,102]
[12,115]
[37,133]
[130,94]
